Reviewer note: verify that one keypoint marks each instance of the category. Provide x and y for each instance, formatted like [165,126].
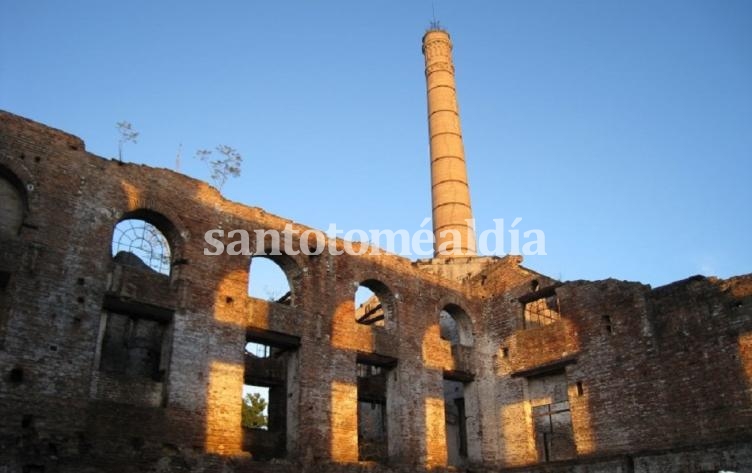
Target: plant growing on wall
[127,135]
[225,166]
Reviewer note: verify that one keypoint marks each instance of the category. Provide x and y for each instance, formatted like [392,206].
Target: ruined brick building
[134,359]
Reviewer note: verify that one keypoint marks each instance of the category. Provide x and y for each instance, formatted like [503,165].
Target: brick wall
[654,377]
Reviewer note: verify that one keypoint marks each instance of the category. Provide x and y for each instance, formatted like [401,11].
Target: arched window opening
[11,208]
[268,280]
[368,308]
[449,330]
[456,326]
[373,302]
[140,244]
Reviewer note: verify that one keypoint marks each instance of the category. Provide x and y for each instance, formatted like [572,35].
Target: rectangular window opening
[540,308]
[258,350]
[135,347]
[132,358]
[4,306]
[372,413]
[554,437]
[4,279]
[266,412]
[455,418]
[255,407]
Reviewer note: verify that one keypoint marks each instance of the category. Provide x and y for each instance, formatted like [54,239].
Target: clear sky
[623,130]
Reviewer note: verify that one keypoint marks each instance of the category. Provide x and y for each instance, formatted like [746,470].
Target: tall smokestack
[450,193]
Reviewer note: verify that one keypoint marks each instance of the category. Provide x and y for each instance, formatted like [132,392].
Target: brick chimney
[450,192]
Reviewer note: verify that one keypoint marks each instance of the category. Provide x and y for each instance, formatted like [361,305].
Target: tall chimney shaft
[450,193]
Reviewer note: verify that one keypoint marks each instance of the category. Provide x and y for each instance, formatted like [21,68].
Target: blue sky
[623,130]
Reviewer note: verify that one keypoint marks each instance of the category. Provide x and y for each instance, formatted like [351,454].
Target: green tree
[253,411]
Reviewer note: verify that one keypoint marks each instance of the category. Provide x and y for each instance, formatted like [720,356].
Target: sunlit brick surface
[656,379]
